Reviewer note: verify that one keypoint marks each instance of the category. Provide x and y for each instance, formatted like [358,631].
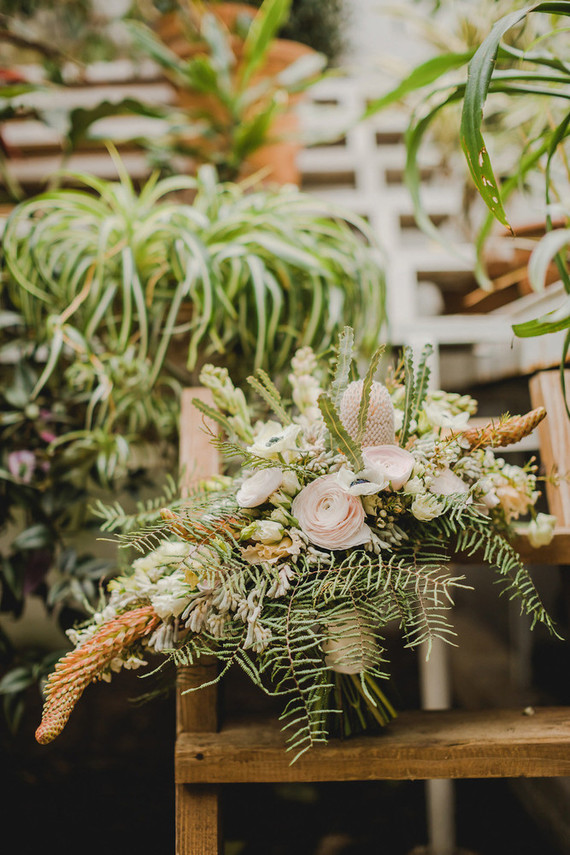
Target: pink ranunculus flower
[389,462]
[256,489]
[513,502]
[329,516]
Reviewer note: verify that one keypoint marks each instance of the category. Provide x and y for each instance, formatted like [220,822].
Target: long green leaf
[340,439]
[272,14]
[424,74]
[414,136]
[558,136]
[422,379]
[480,74]
[410,396]
[343,364]
[547,248]
[558,319]
[366,387]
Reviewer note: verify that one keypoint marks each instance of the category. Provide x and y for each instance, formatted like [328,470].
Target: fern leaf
[267,390]
[215,415]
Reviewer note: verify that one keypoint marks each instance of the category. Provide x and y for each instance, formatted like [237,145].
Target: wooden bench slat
[555,552]
[417,745]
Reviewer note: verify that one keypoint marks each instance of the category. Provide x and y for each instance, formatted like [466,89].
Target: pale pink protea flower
[86,663]
[380,420]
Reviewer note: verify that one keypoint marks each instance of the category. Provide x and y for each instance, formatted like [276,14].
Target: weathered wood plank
[198,820]
[197,456]
[417,745]
[554,439]
[555,552]
[198,814]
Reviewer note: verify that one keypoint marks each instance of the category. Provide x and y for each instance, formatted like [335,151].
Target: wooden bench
[419,744]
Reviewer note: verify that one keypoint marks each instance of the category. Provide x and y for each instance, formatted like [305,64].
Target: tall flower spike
[499,435]
[380,420]
[86,663]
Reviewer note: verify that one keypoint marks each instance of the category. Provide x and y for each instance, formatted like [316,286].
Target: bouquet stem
[362,703]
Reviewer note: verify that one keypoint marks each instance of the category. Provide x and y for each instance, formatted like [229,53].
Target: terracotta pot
[278,159]
[507,267]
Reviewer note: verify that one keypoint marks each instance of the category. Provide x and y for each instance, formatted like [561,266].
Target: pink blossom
[21,465]
[329,516]
[388,462]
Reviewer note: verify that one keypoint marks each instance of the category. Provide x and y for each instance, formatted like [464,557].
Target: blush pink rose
[391,461]
[256,489]
[329,516]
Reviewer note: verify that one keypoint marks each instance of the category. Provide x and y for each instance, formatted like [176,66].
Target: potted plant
[236,86]
[321,26]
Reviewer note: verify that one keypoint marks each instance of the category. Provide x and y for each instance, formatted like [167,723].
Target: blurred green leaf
[36,536]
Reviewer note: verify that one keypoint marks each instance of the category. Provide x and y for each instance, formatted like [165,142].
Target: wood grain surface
[417,745]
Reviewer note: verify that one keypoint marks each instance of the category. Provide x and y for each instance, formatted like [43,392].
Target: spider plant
[102,288]
[107,280]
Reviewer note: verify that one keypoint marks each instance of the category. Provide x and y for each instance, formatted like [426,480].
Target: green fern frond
[215,415]
[513,576]
[267,390]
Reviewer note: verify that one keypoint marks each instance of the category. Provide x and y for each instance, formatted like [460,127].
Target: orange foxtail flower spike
[499,435]
[199,532]
[86,663]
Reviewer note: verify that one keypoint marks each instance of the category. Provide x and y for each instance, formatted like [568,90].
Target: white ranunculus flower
[388,463]
[290,483]
[414,487]
[426,508]
[272,439]
[447,483]
[486,491]
[267,531]
[360,485]
[343,646]
[256,489]
[541,530]
[329,516]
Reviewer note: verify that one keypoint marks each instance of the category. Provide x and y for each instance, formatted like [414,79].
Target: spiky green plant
[106,280]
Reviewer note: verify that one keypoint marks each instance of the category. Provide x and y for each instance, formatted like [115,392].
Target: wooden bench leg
[198,825]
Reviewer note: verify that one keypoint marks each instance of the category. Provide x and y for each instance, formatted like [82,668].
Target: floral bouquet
[341,516]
